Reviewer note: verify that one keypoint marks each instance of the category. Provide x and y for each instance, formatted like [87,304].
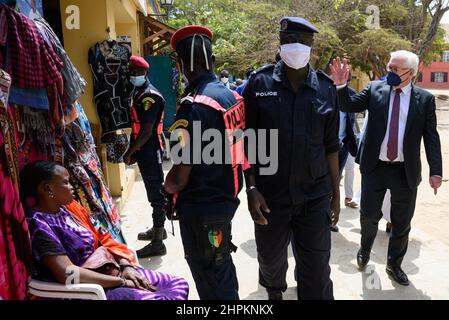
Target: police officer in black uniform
[301,200]
[207,193]
[146,149]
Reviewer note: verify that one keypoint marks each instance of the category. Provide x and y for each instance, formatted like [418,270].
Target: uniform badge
[147,103]
[179,129]
[215,237]
[181,123]
[284,25]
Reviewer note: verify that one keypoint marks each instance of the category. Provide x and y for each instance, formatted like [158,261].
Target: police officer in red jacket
[147,112]
[207,193]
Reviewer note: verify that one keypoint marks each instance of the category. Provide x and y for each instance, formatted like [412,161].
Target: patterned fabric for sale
[5,84]
[37,130]
[74,83]
[109,62]
[35,98]
[15,249]
[82,162]
[31,62]
[11,144]
[116,146]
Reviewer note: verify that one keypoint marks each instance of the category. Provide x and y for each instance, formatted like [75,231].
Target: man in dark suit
[400,116]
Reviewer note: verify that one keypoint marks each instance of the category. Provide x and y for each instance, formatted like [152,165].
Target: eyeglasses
[396,69]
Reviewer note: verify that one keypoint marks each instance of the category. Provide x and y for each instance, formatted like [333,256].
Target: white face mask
[138,81]
[295,55]
[224,80]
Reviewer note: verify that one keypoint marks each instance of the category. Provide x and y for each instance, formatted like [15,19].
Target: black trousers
[403,200]
[207,248]
[149,160]
[308,226]
[342,158]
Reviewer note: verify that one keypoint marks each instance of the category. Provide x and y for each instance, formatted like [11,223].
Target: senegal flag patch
[215,237]
[147,103]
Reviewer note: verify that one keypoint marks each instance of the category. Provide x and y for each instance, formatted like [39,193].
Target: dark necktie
[392,145]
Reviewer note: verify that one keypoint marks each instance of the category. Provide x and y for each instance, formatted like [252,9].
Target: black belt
[392,163]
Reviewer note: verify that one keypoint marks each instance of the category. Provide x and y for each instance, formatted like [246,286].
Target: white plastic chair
[83,291]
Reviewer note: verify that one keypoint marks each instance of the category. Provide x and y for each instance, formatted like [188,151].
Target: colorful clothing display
[15,249]
[30,60]
[109,62]
[61,234]
[41,119]
[87,179]
[74,83]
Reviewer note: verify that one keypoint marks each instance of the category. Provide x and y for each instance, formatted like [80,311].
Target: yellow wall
[129,29]
[95,17]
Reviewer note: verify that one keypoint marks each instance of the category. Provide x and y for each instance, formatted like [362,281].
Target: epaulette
[324,75]
[262,69]
[186,100]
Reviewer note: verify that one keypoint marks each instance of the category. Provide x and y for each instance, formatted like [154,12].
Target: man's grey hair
[412,60]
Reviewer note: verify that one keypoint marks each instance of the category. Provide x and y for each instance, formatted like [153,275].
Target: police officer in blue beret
[301,200]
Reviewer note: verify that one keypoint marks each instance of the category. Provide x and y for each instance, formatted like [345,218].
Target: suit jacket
[350,140]
[421,124]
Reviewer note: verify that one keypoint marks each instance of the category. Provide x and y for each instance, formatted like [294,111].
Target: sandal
[351,204]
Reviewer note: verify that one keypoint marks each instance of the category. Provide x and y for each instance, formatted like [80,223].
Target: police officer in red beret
[147,112]
[207,192]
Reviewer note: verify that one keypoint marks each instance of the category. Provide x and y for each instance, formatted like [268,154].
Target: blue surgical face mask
[138,81]
[393,79]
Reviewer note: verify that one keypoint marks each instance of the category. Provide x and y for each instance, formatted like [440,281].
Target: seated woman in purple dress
[66,243]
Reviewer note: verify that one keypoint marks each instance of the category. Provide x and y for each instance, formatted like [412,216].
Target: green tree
[246,32]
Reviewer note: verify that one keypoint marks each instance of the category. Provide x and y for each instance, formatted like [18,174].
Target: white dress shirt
[403,113]
[342,129]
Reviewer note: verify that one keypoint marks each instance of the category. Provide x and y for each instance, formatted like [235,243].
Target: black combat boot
[148,235]
[156,247]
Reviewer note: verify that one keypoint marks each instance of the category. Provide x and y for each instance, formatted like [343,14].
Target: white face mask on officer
[295,55]
[224,80]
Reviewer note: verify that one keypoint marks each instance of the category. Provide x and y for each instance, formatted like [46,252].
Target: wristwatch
[250,189]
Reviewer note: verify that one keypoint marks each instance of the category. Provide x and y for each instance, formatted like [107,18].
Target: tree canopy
[366,31]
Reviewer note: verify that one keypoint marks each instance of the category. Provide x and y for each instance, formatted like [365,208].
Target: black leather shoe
[148,235]
[274,294]
[398,275]
[362,258]
[334,228]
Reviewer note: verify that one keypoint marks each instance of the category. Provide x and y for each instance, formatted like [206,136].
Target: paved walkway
[426,262]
